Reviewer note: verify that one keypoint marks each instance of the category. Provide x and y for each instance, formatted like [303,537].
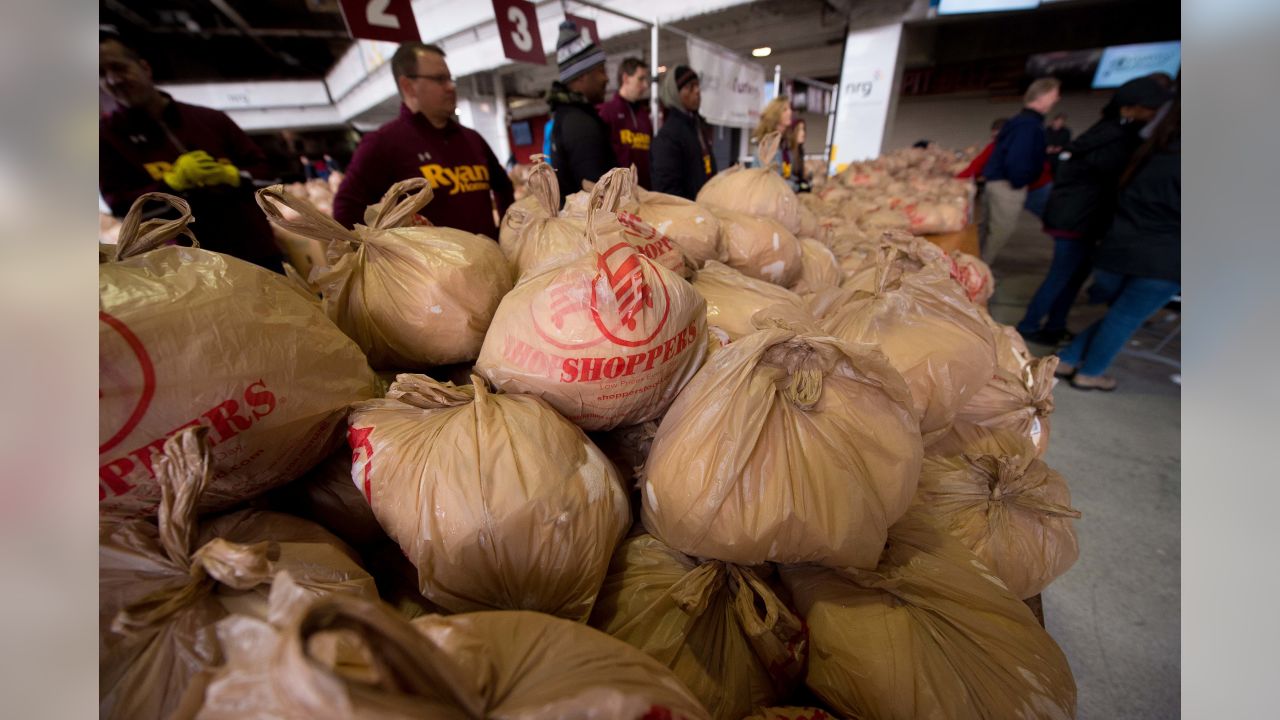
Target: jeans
[1133,300]
[1057,292]
[1037,199]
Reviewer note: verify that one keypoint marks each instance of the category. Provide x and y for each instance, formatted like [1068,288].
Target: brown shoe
[1064,370]
[1105,383]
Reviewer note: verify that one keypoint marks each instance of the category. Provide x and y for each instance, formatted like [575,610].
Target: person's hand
[182,176]
[208,172]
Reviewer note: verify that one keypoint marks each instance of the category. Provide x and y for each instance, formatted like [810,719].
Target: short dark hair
[108,33]
[1060,116]
[629,67]
[998,123]
[405,61]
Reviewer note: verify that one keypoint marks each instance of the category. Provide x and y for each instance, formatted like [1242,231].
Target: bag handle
[1039,381]
[769,144]
[405,662]
[183,471]
[138,236]
[393,211]
[778,637]
[606,195]
[424,392]
[544,185]
[310,223]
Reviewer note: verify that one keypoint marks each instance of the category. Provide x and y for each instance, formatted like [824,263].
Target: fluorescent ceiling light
[762,52]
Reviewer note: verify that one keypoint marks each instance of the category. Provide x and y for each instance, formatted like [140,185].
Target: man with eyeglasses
[426,140]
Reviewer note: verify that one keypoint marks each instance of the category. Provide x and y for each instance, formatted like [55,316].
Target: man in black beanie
[580,146]
[681,158]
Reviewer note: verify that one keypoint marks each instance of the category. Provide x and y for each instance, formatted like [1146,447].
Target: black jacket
[580,144]
[1146,237]
[681,158]
[1082,202]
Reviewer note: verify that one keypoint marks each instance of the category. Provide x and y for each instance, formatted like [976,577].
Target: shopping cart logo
[622,296]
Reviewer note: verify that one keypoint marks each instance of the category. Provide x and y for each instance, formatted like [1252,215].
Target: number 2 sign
[387,20]
[518,28]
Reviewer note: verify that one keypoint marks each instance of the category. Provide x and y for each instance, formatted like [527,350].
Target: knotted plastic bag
[819,268]
[411,297]
[758,192]
[607,340]
[786,447]
[498,501]
[538,238]
[927,328]
[989,490]
[759,247]
[693,228]
[163,587]
[479,665]
[1019,401]
[720,628]
[733,298]
[930,632]
[191,337]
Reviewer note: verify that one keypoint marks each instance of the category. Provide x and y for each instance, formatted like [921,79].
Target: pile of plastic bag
[753,456]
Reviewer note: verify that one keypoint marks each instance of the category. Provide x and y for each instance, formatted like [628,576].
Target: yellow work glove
[209,172]
[182,176]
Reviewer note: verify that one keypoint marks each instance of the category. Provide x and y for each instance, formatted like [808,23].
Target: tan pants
[1001,205]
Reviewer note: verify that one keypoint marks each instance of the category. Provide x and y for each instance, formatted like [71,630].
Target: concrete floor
[1116,614]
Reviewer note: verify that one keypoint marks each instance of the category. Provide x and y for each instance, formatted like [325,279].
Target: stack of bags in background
[914,190]
[644,458]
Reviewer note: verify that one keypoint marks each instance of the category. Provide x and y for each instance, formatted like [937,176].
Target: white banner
[866,90]
[732,87]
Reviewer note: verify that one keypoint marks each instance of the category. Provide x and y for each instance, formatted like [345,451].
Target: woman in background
[794,139]
[777,117]
[1138,266]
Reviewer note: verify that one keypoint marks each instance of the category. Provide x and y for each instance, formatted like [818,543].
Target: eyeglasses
[438,79]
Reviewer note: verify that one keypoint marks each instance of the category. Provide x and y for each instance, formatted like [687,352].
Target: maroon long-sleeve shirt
[135,150]
[456,161]
[631,132]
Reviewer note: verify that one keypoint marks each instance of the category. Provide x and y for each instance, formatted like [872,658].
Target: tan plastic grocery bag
[786,447]
[190,337]
[1020,403]
[929,330]
[758,192]
[607,340]
[480,665]
[732,298]
[539,238]
[819,268]
[974,276]
[692,227]
[760,247]
[989,490]
[411,297]
[162,587]
[720,628]
[930,633]
[498,501]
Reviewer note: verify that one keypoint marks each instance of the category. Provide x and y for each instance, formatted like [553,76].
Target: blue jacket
[1019,153]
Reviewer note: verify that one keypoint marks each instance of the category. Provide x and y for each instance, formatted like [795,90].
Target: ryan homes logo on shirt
[459,178]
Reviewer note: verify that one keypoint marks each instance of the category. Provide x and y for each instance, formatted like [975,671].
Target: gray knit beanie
[575,53]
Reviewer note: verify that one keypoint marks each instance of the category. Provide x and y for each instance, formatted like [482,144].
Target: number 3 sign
[387,20]
[518,28]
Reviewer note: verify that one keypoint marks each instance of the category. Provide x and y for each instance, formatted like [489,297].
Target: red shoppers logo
[125,376]
[581,312]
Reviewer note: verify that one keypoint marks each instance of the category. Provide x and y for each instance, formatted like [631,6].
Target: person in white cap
[580,145]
